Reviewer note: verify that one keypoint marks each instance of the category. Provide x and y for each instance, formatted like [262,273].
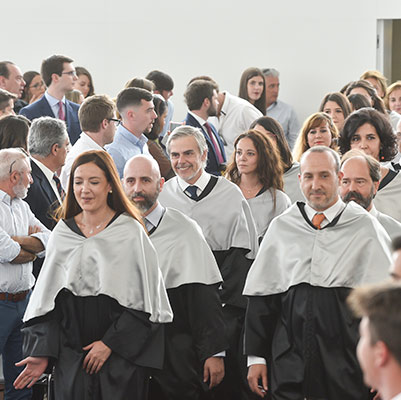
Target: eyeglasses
[71,73]
[117,122]
[22,150]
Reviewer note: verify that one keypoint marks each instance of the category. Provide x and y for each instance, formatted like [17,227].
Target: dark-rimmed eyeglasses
[37,85]
[71,73]
[116,121]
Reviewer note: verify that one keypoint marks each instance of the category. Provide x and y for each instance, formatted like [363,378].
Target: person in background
[75,96]
[153,135]
[84,82]
[6,103]
[11,79]
[34,88]
[317,130]
[395,267]
[393,97]
[370,131]
[141,83]
[337,106]
[14,131]
[256,169]
[277,109]
[358,101]
[252,88]
[272,128]
[377,80]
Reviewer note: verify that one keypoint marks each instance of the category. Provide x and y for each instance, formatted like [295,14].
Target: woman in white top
[256,168]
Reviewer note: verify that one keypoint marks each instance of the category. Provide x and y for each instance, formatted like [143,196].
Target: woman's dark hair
[273,126]
[84,71]
[116,199]
[378,103]
[338,98]
[269,169]
[388,144]
[14,131]
[28,78]
[248,74]
[160,109]
[358,101]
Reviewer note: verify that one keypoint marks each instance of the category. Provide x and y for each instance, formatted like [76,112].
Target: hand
[35,97]
[213,370]
[256,372]
[35,366]
[33,229]
[97,356]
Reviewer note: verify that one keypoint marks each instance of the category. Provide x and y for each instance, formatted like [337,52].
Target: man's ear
[382,354]
[162,181]
[54,149]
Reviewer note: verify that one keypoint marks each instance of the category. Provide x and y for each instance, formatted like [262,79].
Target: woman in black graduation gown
[96,309]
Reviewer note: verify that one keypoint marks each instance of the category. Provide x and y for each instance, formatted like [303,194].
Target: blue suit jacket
[212,160]
[41,108]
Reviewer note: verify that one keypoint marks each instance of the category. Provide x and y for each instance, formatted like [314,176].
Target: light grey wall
[317,46]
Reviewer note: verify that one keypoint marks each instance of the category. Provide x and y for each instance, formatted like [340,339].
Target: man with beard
[195,341]
[137,111]
[360,182]
[297,322]
[201,99]
[22,239]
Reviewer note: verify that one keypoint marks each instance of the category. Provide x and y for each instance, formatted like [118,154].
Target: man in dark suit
[48,145]
[59,76]
[201,99]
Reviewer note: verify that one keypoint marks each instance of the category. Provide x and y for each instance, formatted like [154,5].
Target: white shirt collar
[52,100]
[198,118]
[154,217]
[201,183]
[373,211]
[330,213]
[87,139]
[398,397]
[48,173]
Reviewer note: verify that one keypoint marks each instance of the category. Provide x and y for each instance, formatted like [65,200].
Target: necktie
[59,187]
[61,114]
[191,190]
[215,144]
[317,220]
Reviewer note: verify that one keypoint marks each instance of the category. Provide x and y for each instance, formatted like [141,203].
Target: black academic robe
[308,337]
[196,333]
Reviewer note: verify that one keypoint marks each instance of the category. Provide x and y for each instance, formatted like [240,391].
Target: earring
[111,191]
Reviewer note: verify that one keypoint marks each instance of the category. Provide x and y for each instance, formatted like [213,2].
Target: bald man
[195,341]
[360,182]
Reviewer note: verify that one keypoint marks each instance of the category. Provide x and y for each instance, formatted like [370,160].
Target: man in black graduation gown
[297,321]
[196,340]
[222,212]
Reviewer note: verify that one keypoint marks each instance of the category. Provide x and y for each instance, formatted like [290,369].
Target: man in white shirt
[137,111]
[277,109]
[360,181]
[22,239]
[97,116]
[379,347]
[310,258]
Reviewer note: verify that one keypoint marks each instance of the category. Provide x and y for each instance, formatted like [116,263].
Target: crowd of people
[230,254]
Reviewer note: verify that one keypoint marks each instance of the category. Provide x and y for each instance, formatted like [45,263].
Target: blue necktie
[191,190]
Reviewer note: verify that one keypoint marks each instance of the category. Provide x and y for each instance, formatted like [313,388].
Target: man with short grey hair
[48,145]
[22,239]
[223,213]
[277,109]
[297,322]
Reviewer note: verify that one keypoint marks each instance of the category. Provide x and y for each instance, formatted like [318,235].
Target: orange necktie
[317,220]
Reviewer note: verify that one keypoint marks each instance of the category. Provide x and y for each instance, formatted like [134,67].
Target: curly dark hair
[388,144]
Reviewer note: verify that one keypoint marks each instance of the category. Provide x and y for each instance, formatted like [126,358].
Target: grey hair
[188,131]
[44,133]
[271,72]
[372,163]
[11,158]
[322,149]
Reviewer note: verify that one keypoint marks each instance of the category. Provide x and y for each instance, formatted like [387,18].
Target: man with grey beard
[360,183]
[22,239]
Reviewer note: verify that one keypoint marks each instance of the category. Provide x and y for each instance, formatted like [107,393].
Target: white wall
[317,46]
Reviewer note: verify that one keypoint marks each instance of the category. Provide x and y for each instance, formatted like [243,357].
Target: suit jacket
[43,201]
[213,165]
[41,108]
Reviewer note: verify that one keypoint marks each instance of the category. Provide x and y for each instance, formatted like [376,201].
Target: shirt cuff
[10,252]
[221,354]
[256,360]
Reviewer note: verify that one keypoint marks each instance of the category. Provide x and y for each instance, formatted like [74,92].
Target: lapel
[193,122]
[45,107]
[44,184]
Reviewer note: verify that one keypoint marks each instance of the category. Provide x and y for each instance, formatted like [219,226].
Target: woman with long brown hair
[256,168]
[100,295]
